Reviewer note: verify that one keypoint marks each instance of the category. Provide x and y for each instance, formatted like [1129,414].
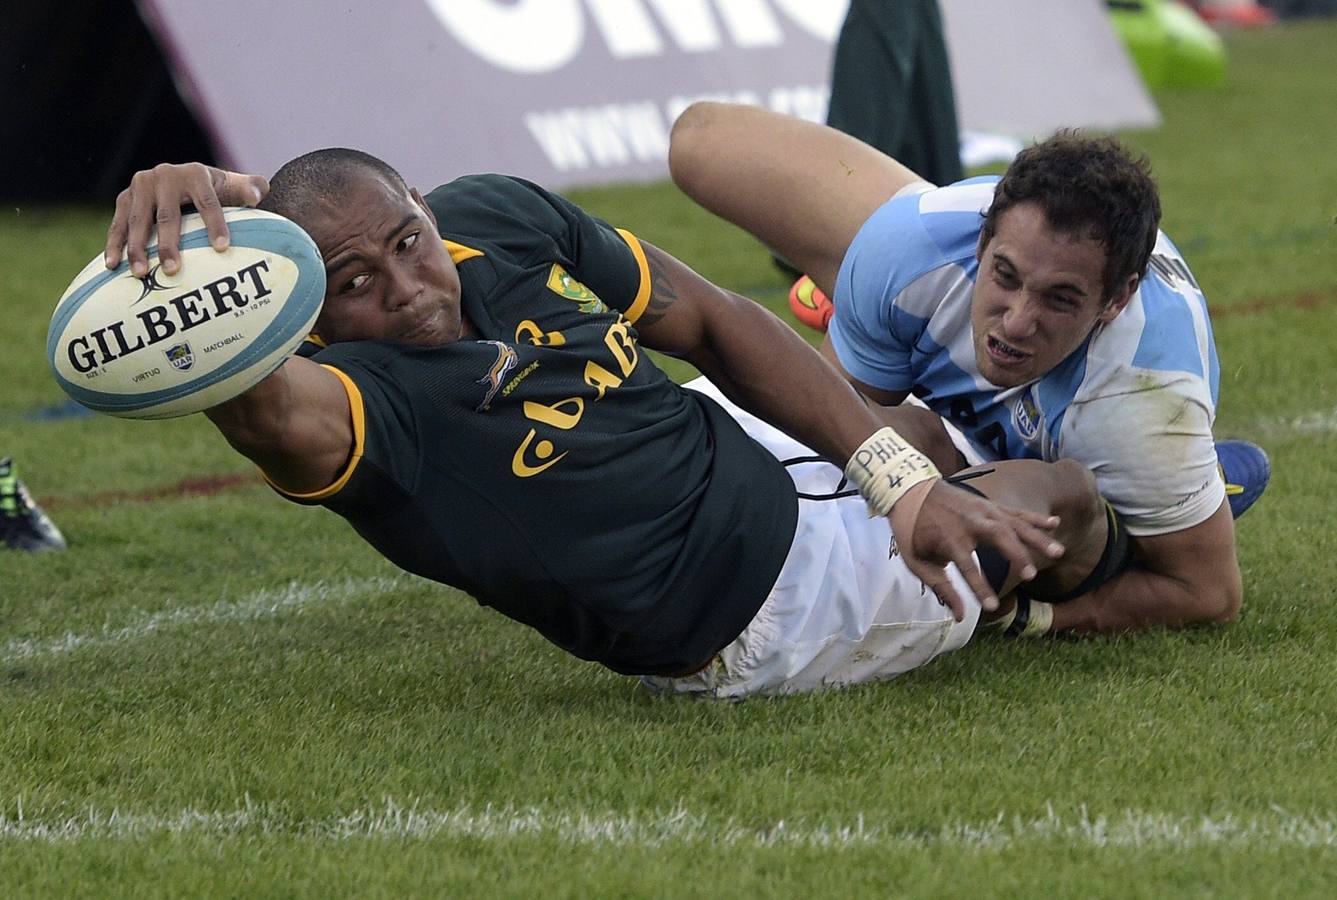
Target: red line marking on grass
[1304,301]
[203,486]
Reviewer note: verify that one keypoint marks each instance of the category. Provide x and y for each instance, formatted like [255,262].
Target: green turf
[232,696]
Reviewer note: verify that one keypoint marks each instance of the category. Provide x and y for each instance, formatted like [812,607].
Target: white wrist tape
[884,468]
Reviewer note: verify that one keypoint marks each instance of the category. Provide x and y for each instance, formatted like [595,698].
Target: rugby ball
[169,345]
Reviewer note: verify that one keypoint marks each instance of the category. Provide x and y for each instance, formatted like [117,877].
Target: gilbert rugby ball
[168,345]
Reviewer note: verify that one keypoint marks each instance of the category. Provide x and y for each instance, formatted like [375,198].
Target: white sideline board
[582,92]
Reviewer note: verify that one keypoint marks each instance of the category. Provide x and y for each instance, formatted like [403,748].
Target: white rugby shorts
[841,611]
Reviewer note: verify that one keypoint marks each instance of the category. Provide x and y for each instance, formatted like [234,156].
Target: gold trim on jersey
[459,253]
[359,415]
[317,340]
[642,300]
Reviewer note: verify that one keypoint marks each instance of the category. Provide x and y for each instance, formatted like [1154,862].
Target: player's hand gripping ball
[163,346]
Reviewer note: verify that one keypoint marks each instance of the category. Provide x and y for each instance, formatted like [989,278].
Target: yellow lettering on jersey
[528,331]
[555,415]
[619,340]
[599,378]
[543,451]
[533,455]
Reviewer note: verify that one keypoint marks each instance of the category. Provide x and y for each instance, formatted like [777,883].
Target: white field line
[1313,423]
[258,605]
[1130,829]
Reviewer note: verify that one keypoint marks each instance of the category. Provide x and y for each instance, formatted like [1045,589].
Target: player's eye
[1004,277]
[353,284]
[408,243]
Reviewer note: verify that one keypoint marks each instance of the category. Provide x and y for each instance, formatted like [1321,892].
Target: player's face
[388,275]
[1037,297]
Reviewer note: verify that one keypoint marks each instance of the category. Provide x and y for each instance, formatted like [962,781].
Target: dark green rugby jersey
[551,469]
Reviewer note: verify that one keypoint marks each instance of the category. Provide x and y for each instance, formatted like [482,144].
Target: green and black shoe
[23,525]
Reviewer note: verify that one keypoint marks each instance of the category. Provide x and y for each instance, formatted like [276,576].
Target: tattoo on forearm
[662,293]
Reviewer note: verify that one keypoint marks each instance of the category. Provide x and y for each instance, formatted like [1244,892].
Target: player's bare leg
[802,188]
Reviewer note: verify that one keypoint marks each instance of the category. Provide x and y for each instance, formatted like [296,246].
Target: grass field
[218,693]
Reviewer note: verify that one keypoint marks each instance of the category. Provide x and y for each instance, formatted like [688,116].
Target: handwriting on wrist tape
[885,467]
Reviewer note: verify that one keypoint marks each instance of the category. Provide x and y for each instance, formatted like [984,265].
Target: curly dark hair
[320,176]
[1087,184]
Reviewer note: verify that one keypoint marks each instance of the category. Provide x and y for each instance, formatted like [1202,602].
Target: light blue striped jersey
[1135,403]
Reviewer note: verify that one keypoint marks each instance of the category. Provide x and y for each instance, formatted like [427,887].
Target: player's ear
[417,198]
[1119,300]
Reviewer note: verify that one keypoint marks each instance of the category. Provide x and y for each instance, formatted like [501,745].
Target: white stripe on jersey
[975,195]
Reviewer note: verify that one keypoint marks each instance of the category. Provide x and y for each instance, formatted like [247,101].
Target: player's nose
[1020,319]
[401,289]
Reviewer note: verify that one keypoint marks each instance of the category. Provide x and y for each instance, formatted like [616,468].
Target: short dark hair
[321,175]
[1087,184]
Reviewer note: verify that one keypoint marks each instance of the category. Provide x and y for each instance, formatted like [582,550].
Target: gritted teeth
[1006,349]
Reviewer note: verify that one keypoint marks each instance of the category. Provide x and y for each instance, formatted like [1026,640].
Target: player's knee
[688,140]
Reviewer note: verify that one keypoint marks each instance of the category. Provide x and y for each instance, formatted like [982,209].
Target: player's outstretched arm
[296,425]
[154,200]
[803,189]
[1182,578]
[761,364]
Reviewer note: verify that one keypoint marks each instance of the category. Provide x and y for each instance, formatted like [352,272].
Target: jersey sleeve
[1152,453]
[1143,417]
[890,282]
[537,225]
[609,261]
[382,465]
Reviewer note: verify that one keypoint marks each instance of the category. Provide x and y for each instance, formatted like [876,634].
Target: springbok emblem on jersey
[506,360]
[561,282]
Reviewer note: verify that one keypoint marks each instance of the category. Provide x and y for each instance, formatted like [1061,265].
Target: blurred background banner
[560,91]
[566,92]
[1027,67]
